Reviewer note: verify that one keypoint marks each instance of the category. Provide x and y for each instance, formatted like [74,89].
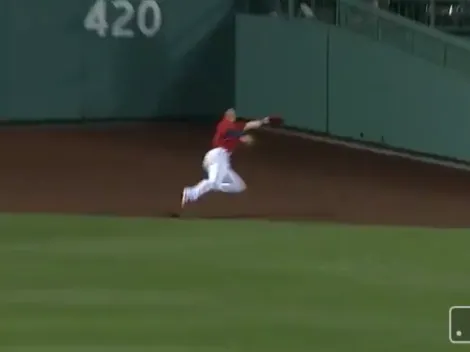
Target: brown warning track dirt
[140,169]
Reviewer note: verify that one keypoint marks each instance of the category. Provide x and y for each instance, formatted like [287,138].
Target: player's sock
[200,189]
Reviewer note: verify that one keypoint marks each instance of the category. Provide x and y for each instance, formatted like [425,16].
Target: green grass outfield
[103,284]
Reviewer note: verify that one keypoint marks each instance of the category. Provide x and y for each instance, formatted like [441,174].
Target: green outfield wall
[281,68]
[331,80]
[115,59]
[4,74]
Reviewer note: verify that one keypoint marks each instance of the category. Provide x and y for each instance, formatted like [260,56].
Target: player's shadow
[298,217]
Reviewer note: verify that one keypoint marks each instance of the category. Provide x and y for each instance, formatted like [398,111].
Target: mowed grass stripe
[211,285]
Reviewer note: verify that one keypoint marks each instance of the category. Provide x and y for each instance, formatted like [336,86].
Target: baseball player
[220,175]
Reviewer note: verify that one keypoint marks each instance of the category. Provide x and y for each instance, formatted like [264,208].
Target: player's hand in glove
[275,121]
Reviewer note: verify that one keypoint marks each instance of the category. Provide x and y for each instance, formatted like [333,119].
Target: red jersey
[227,134]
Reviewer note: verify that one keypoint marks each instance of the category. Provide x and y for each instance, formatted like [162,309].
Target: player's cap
[231,111]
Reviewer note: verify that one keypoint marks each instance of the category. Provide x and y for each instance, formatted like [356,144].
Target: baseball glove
[275,121]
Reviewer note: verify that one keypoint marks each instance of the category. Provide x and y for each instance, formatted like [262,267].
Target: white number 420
[96,19]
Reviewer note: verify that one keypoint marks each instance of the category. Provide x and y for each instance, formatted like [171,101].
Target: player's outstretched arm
[251,125]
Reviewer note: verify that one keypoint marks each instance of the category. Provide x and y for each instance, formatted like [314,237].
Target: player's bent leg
[215,173]
[232,183]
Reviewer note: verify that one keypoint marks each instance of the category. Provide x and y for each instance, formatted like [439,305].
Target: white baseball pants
[220,175]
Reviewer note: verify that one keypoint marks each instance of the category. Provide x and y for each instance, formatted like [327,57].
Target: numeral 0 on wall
[96,19]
